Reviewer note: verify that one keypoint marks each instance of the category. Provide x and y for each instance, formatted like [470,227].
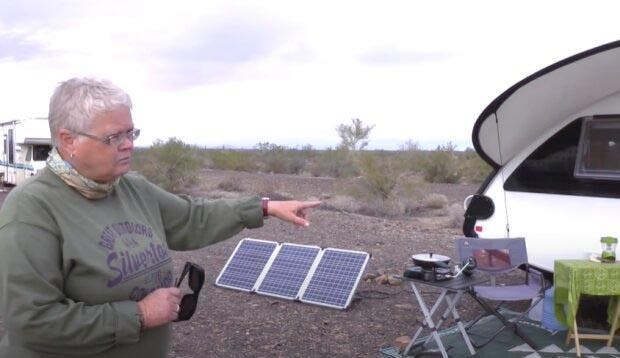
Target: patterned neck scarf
[87,187]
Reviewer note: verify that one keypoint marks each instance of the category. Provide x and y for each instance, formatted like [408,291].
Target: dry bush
[410,158]
[342,203]
[381,190]
[382,208]
[473,168]
[232,159]
[370,207]
[173,165]
[280,159]
[455,215]
[435,201]
[378,175]
[376,179]
[442,165]
[335,163]
[409,192]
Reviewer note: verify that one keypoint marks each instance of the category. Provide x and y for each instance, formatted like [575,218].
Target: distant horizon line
[380,144]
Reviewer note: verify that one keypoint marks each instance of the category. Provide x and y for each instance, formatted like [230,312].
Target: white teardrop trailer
[26,144]
[553,140]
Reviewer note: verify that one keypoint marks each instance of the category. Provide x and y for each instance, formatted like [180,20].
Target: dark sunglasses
[196,280]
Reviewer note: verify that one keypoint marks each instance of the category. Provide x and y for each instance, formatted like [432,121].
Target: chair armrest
[535,278]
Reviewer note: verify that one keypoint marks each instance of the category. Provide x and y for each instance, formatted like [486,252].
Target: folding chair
[498,257]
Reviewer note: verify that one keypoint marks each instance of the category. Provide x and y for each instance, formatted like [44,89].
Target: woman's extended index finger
[310,204]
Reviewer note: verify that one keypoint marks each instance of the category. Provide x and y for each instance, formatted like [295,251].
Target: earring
[71,155]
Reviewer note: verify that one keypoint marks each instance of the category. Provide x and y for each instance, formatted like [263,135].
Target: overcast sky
[288,72]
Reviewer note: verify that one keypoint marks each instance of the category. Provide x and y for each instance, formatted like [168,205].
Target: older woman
[84,262]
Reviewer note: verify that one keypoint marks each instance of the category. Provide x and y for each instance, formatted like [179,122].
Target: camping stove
[428,274]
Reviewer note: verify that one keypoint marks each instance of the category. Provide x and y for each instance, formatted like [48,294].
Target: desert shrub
[381,189]
[173,165]
[343,203]
[232,159]
[405,198]
[411,185]
[435,201]
[352,196]
[374,180]
[442,165]
[378,176]
[280,159]
[335,163]
[381,208]
[410,158]
[455,214]
[474,169]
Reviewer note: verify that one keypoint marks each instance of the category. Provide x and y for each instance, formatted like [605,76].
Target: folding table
[572,278]
[451,292]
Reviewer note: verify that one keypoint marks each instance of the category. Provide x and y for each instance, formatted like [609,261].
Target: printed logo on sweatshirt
[133,251]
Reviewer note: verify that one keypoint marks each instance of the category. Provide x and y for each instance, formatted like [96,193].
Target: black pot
[431,261]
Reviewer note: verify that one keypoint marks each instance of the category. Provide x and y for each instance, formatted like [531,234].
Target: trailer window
[550,169]
[598,154]
[40,152]
[11,147]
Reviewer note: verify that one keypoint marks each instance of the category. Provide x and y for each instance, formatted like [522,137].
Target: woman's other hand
[160,307]
[292,211]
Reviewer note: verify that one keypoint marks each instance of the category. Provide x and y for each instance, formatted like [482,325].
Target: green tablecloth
[575,277]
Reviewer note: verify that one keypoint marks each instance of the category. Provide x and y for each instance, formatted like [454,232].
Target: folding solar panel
[326,277]
[288,271]
[335,278]
[245,265]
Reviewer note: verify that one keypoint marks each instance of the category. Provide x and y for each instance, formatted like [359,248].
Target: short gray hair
[76,102]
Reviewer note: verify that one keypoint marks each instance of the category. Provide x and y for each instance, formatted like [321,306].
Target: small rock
[269,347]
[395,280]
[382,280]
[401,342]
[369,276]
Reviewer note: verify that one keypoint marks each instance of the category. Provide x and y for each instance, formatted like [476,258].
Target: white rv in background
[26,144]
[553,140]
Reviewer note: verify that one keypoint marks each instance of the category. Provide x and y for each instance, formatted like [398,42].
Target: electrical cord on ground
[374,294]
[381,295]
[378,295]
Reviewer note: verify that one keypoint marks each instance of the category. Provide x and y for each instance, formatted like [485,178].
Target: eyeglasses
[114,139]
[190,300]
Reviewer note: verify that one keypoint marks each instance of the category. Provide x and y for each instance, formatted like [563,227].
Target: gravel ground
[231,323]
[234,323]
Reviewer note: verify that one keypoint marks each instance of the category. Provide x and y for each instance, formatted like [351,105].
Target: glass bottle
[608,245]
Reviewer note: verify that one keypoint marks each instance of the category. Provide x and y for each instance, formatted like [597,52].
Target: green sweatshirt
[73,269]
